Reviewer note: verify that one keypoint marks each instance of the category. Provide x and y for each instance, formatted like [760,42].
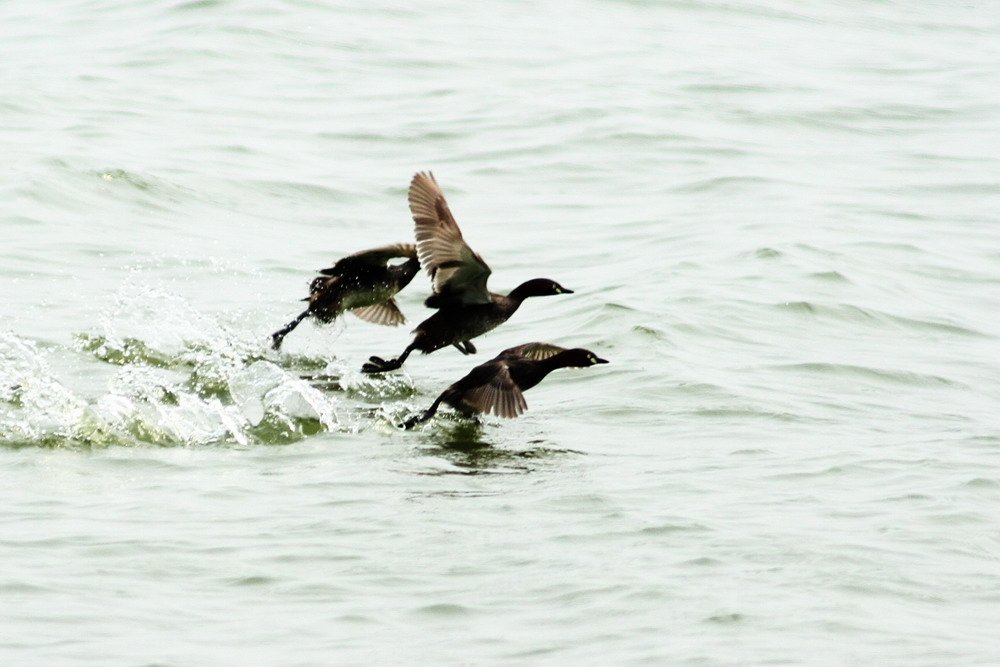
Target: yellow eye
[591,358]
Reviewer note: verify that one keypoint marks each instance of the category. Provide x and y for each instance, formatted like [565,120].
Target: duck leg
[280,334]
[465,347]
[380,365]
[427,414]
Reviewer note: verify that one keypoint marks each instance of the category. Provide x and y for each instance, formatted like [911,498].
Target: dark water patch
[825,252]
[855,314]
[955,274]
[610,306]
[302,363]
[283,268]
[830,471]
[990,442]
[890,246]
[726,88]
[908,498]
[703,561]
[677,145]
[768,253]
[127,351]
[21,221]
[896,214]
[983,483]
[251,581]
[418,137]
[940,327]
[296,191]
[729,331]
[12,107]
[651,333]
[901,590]
[79,189]
[890,113]
[734,11]
[538,149]
[23,587]
[724,183]
[825,123]
[673,528]
[645,138]
[43,442]
[198,5]
[463,445]
[83,439]
[746,413]
[122,176]
[276,429]
[830,277]
[950,159]
[102,251]
[751,452]
[323,382]
[699,388]
[731,618]
[711,151]
[894,376]
[541,651]
[444,610]
[959,518]
[375,389]
[236,149]
[358,619]
[957,188]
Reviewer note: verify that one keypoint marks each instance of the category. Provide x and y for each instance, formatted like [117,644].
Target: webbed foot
[465,347]
[380,365]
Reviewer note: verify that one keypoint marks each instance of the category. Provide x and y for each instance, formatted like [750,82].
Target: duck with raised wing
[363,283]
[465,307]
[497,385]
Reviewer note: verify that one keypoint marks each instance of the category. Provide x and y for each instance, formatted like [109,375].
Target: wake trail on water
[171,377]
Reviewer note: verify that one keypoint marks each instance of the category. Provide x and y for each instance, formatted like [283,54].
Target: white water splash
[33,403]
[185,379]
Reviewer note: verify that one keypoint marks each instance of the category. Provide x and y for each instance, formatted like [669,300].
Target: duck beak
[566,291]
[601,361]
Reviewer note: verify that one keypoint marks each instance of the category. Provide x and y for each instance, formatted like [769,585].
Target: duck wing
[372,257]
[499,394]
[386,313]
[533,351]
[458,273]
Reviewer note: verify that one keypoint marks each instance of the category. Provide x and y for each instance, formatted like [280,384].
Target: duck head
[578,357]
[405,271]
[538,287]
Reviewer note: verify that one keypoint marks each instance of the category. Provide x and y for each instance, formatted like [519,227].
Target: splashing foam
[186,379]
[33,404]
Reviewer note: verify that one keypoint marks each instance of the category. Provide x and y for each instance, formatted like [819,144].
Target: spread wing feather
[534,351]
[457,271]
[372,257]
[387,313]
[500,396]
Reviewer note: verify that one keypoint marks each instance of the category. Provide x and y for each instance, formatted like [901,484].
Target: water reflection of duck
[363,283]
[497,385]
[466,308]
